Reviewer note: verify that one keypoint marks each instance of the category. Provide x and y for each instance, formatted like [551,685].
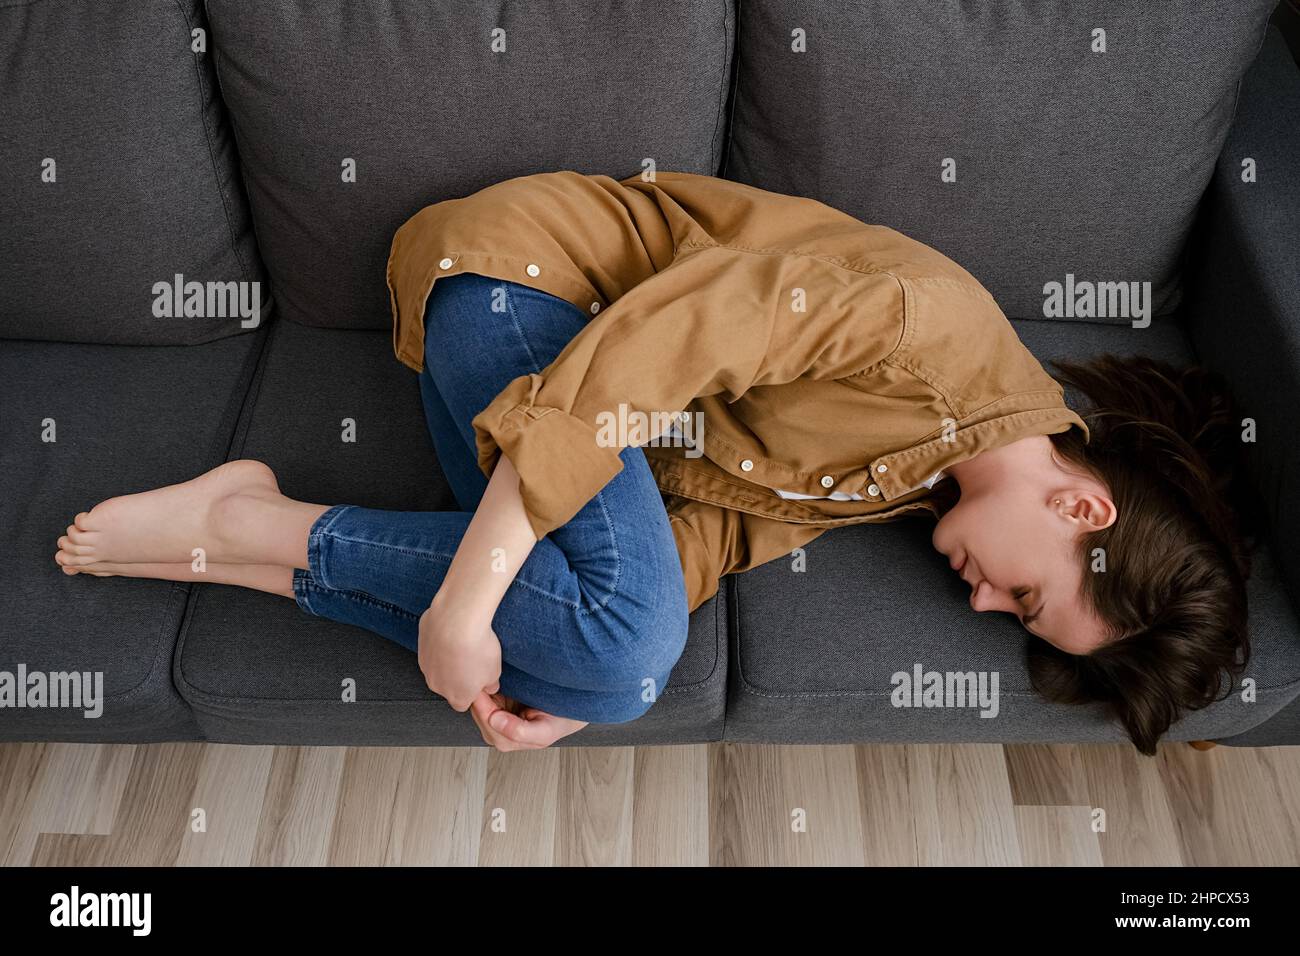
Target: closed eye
[1029,618]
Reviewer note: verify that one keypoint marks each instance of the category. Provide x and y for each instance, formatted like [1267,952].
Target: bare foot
[271,578]
[167,524]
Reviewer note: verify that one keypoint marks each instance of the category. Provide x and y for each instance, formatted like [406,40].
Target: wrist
[463,615]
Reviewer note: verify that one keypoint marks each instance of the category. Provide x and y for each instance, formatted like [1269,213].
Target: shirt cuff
[558,456]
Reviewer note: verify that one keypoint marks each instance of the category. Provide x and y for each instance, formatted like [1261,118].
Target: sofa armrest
[1242,303]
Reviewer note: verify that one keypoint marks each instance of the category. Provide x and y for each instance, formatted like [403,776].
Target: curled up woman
[637,387]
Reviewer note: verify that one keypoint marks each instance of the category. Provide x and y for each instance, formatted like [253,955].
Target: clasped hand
[460,657]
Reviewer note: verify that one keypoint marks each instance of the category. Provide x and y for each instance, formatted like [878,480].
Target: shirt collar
[902,472]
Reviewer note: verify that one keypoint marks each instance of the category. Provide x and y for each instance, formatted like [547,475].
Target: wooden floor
[718,804]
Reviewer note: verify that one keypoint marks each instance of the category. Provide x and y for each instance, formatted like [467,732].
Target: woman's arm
[494,548]
[459,654]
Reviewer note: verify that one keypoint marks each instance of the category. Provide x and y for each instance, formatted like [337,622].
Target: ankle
[236,524]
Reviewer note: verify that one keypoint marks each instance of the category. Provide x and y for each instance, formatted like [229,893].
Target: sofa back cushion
[118,174]
[352,116]
[1030,142]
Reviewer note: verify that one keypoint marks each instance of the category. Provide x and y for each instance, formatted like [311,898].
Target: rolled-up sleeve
[717,321]
[559,458]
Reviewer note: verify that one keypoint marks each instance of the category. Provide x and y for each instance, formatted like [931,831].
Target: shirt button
[882,468]
[595,307]
[532,269]
[746,465]
[873,489]
[827,481]
[445,264]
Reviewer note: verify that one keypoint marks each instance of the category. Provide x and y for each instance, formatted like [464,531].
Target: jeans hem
[316,544]
[302,583]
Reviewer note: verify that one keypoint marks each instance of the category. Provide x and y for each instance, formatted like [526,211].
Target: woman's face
[1012,537]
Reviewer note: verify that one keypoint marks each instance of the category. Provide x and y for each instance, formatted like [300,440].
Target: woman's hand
[521,727]
[459,654]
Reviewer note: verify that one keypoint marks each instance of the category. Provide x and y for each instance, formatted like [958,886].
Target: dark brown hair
[1167,443]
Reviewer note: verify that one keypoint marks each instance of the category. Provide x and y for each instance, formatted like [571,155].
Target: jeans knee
[648,644]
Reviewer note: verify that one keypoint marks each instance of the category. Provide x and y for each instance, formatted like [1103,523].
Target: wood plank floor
[705,805]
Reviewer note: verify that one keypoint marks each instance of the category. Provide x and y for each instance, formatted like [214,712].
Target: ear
[1090,510]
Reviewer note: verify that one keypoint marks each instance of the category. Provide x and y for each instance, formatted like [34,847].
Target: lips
[961,572]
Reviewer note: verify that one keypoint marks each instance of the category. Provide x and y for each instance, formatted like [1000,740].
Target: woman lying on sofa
[817,371]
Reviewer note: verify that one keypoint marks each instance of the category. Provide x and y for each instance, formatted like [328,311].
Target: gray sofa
[144,140]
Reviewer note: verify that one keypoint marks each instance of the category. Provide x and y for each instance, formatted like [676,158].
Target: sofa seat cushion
[123,420]
[257,669]
[816,651]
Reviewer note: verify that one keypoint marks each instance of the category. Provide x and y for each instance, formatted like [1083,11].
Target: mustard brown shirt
[822,354]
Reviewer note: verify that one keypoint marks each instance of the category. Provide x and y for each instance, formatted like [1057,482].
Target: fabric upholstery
[1244,308]
[1067,161]
[123,420]
[145,182]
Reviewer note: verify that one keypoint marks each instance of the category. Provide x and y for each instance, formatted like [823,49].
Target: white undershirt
[841,496]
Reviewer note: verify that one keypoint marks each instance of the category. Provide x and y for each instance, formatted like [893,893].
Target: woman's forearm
[495,545]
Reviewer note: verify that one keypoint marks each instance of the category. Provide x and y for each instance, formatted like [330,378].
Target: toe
[82,539]
[71,547]
[68,559]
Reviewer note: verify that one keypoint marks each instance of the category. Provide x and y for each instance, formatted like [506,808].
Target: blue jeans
[596,618]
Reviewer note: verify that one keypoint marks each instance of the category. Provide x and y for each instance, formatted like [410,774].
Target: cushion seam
[212,158]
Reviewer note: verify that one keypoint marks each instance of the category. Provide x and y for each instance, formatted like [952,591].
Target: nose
[985,597]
